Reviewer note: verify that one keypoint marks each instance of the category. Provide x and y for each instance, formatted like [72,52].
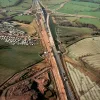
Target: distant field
[75,7]
[15,58]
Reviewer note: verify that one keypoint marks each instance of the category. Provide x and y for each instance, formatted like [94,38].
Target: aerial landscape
[49,49]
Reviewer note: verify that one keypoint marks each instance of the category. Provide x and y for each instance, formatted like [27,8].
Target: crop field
[88,46]
[16,58]
[93,61]
[88,52]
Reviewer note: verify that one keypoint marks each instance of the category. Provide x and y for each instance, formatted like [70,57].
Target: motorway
[53,56]
[50,58]
[60,65]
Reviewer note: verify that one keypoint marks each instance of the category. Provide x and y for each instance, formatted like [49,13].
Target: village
[14,36]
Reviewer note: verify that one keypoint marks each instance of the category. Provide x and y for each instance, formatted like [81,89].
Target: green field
[16,58]
[24,18]
[81,8]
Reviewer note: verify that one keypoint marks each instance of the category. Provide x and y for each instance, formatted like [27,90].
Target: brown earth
[31,28]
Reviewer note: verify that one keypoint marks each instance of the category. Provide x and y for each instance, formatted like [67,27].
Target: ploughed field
[86,89]
[88,46]
[88,51]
